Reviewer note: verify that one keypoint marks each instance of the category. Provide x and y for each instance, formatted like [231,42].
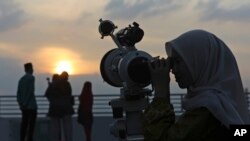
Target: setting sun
[64,66]
[64,60]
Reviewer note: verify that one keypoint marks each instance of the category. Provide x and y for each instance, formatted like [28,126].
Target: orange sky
[47,32]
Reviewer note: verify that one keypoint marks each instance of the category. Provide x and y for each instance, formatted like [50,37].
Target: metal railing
[9,107]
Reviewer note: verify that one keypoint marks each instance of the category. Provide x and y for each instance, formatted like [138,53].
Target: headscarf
[86,97]
[216,83]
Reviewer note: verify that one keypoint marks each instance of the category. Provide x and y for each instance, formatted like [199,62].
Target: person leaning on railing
[203,64]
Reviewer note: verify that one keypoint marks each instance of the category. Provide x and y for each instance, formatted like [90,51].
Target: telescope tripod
[127,112]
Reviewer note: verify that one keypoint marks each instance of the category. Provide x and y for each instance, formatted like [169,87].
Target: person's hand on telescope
[159,70]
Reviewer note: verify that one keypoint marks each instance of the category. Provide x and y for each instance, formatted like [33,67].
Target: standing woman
[66,109]
[85,114]
[52,94]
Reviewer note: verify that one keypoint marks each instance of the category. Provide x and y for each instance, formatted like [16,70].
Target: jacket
[60,99]
[25,92]
[159,124]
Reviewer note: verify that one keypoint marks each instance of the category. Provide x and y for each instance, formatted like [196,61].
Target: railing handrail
[9,106]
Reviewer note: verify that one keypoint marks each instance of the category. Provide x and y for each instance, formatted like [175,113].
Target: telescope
[126,67]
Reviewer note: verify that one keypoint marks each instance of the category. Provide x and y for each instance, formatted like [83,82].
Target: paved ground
[9,130]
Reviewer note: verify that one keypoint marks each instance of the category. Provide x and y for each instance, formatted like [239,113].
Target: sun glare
[64,66]
[64,60]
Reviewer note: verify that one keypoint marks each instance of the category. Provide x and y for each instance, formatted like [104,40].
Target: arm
[70,89]
[19,94]
[30,89]
[159,115]
[50,92]
[159,71]
[195,125]
[67,89]
[157,118]
[25,90]
[72,98]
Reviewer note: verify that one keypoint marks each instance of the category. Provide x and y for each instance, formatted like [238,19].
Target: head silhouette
[87,88]
[211,67]
[28,68]
[86,97]
[64,76]
[55,77]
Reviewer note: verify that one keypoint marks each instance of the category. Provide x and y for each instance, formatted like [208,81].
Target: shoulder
[68,83]
[30,77]
[199,118]
[22,78]
[27,77]
[198,123]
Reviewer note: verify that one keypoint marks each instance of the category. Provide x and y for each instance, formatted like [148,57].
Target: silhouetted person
[27,103]
[55,107]
[85,114]
[203,64]
[66,110]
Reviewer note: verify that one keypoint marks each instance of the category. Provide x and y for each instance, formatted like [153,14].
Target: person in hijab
[202,63]
[85,114]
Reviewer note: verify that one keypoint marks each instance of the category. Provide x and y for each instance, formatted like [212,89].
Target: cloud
[124,9]
[11,16]
[210,10]
[216,11]
[10,51]
[60,10]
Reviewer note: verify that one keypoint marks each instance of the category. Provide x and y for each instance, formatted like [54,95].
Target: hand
[159,70]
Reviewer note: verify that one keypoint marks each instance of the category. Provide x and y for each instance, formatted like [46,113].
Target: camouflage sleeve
[157,118]
[159,123]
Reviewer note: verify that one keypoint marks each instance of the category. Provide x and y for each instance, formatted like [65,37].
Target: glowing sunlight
[64,66]
[64,60]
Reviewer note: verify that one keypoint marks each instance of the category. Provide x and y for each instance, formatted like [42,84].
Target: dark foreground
[9,129]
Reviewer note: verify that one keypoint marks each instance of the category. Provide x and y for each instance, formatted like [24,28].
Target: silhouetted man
[27,103]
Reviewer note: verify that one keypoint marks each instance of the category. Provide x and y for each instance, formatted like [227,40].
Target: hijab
[216,83]
[86,97]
